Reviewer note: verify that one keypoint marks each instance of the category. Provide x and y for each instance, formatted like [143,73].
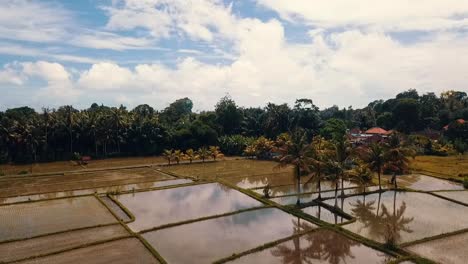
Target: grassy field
[448,167]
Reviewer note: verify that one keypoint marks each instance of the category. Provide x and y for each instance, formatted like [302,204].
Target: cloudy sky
[130,52]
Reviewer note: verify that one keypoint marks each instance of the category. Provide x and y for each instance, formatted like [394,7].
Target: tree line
[103,131]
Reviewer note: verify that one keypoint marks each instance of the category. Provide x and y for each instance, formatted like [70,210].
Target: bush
[465,182]
[235,144]
[2,173]
[23,172]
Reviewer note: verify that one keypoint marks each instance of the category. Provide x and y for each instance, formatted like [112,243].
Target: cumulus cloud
[397,15]
[196,19]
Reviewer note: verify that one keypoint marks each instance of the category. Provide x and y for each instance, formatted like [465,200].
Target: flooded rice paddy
[123,251]
[426,183]
[67,218]
[461,196]
[209,240]
[320,247]
[404,216]
[23,249]
[161,207]
[25,220]
[448,250]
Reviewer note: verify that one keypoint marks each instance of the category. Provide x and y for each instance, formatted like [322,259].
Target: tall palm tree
[374,156]
[396,158]
[298,153]
[318,162]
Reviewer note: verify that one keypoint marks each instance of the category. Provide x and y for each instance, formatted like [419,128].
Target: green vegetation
[100,131]
[465,182]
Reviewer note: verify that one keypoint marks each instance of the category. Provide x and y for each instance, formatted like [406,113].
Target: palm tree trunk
[298,176]
[336,193]
[342,185]
[380,185]
[378,203]
[319,187]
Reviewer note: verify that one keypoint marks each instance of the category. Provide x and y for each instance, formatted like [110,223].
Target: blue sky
[155,51]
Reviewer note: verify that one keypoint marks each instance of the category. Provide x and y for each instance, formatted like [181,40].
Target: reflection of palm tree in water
[321,245]
[385,224]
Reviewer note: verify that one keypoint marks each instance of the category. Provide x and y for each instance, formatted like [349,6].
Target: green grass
[451,167]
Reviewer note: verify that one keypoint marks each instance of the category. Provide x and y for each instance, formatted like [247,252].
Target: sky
[131,52]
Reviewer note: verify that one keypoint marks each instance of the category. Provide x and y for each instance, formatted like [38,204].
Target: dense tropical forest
[102,131]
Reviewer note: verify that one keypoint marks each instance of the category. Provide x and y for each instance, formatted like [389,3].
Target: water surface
[209,240]
[319,247]
[161,207]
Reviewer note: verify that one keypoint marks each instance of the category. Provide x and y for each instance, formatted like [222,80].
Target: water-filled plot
[161,207]
[425,183]
[38,218]
[403,216]
[49,244]
[460,196]
[324,214]
[448,250]
[99,190]
[305,187]
[123,251]
[213,239]
[76,181]
[320,247]
[261,180]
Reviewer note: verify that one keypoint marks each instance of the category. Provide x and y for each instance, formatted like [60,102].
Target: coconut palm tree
[203,153]
[190,155]
[178,155]
[215,152]
[374,156]
[298,153]
[168,155]
[318,162]
[396,158]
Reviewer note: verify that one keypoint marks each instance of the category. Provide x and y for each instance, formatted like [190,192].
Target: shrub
[2,173]
[465,182]
[23,172]
[235,144]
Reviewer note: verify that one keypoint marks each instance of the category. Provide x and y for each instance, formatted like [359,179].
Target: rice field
[217,212]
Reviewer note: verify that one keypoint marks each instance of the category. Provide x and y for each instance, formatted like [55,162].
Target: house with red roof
[459,121]
[371,135]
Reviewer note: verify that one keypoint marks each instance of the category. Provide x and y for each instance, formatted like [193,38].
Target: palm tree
[190,155]
[297,152]
[396,159]
[374,156]
[215,152]
[318,162]
[203,153]
[178,155]
[250,151]
[168,155]
[362,174]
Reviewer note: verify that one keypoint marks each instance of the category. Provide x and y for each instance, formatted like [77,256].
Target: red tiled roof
[460,121]
[377,130]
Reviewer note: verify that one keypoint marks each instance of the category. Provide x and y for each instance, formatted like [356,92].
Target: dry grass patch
[447,167]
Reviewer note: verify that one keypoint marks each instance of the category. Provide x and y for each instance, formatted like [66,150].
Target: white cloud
[397,15]
[197,19]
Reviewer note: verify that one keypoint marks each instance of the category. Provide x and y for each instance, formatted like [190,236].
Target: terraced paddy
[217,212]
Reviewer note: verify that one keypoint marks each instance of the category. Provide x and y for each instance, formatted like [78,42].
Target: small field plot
[16,186]
[44,245]
[227,168]
[209,240]
[124,251]
[447,167]
[100,190]
[448,250]
[403,216]
[461,196]
[425,183]
[161,207]
[261,180]
[26,220]
[320,247]
[305,188]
